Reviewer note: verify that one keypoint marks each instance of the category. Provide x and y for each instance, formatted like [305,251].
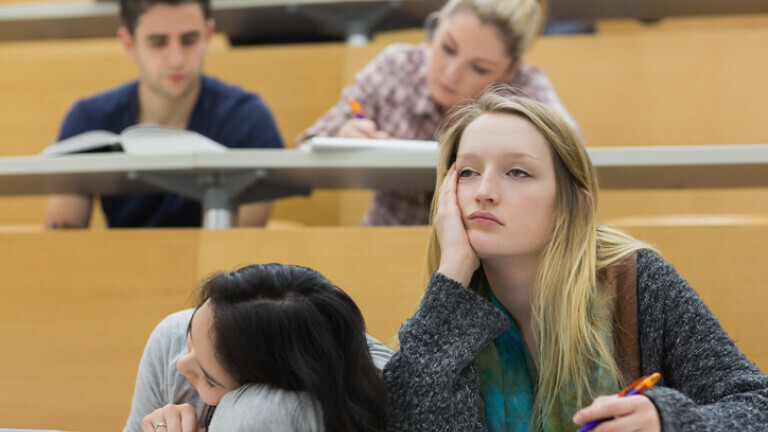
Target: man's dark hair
[131,10]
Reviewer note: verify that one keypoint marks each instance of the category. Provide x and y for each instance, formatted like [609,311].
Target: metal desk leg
[219,194]
[217,209]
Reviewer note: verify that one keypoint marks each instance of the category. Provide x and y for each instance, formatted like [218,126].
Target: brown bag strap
[621,280]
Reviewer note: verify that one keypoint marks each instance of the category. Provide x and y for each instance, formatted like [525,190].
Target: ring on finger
[159,425]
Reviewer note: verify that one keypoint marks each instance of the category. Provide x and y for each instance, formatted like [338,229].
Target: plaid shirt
[393,92]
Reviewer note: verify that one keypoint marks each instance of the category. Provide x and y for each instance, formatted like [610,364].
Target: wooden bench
[78,306]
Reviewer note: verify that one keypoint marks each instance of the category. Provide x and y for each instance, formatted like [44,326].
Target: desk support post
[217,209]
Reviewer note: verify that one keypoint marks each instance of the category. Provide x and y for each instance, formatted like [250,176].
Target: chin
[445,102]
[483,245]
[440,98]
[211,401]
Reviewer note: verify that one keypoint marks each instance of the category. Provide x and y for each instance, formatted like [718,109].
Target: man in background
[168,40]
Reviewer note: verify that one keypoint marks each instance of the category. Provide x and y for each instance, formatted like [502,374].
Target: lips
[176,77]
[485,218]
[446,89]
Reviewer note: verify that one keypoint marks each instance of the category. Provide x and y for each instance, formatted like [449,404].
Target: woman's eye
[449,50]
[480,70]
[518,173]
[465,173]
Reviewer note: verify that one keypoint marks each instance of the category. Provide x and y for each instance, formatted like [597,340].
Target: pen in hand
[636,388]
[361,126]
[356,108]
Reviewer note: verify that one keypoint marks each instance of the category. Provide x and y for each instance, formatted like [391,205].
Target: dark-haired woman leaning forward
[269,348]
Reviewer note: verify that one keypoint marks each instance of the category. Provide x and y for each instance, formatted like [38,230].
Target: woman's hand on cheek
[626,414]
[458,260]
[176,418]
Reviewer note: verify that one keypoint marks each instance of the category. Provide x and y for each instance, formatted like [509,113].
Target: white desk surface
[114,172]
[27,430]
[712,166]
[671,167]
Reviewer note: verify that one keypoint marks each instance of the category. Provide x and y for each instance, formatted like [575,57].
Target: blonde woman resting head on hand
[534,314]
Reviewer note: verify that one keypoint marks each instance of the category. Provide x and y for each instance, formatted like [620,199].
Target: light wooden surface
[27,1]
[78,306]
[77,309]
[379,267]
[698,84]
[725,264]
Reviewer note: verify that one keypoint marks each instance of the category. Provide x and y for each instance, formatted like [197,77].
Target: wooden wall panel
[76,312]
[725,264]
[380,268]
[677,83]
[78,306]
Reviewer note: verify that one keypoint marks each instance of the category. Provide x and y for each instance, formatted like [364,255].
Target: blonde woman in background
[407,89]
[534,311]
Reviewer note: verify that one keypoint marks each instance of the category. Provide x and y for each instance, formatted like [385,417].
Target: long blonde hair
[567,297]
[519,21]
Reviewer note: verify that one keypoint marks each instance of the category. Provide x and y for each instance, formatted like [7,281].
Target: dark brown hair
[132,10]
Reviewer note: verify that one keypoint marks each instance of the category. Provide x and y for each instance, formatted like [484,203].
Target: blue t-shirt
[223,113]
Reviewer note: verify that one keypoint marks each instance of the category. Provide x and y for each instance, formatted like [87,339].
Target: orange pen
[641,385]
[356,108]
[636,388]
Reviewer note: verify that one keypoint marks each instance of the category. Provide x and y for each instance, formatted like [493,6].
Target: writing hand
[176,418]
[627,414]
[458,260]
[362,128]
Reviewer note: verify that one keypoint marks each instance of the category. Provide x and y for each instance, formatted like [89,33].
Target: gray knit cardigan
[707,384]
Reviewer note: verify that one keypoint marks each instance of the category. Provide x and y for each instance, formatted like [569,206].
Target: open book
[137,139]
[342,144]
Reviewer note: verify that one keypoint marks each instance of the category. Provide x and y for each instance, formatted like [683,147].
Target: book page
[322,144]
[155,139]
[91,141]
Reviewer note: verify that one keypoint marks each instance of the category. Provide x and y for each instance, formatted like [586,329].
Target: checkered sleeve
[366,89]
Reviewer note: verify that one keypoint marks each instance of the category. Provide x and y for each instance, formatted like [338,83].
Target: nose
[487,191]
[184,365]
[176,54]
[452,71]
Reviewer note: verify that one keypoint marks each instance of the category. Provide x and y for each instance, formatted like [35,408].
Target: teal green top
[508,379]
